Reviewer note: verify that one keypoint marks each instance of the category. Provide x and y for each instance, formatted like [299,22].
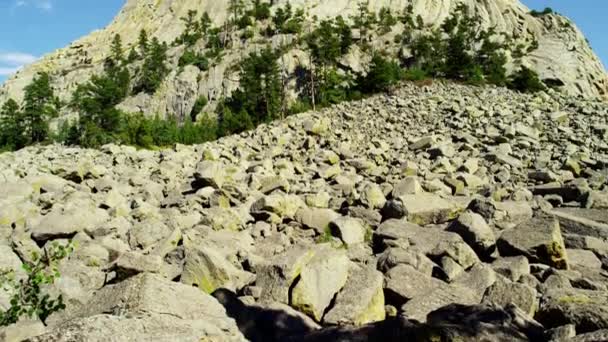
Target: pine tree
[133,55]
[143,43]
[205,23]
[191,32]
[236,8]
[11,127]
[95,101]
[526,80]
[39,106]
[154,69]
[261,10]
[259,93]
[117,53]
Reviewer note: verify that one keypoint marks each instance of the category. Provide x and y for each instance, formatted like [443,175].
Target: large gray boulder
[361,301]
[146,307]
[539,239]
[320,279]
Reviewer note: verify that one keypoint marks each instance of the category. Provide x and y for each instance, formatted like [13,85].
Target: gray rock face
[584,308]
[539,239]
[148,307]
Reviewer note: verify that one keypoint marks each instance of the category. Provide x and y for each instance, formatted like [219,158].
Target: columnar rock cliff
[563,58]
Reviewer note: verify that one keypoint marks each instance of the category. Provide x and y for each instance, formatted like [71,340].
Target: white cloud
[45,5]
[16,58]
[11,62]
[6,71]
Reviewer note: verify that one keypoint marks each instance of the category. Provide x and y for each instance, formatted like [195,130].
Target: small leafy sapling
[28,297]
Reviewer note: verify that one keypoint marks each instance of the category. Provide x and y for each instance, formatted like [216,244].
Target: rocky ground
[441,212]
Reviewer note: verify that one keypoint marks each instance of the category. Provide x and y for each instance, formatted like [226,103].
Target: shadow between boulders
[453,322]
[259,324]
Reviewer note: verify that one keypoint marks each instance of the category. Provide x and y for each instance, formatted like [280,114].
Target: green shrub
[382,75]
[546,11]
[247,34]
[526,80]
[27,295]
[199,104]
[190,57]
[415,74]
[261,10]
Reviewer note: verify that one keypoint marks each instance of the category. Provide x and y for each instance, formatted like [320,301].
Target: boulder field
[436,212]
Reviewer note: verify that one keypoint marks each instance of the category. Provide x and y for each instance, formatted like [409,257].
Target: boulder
[586,309]
[350,230]
[208,269]
[316,218]
[361,301]
[320,279]
[403,283]
[539,239]
[426,209]
[209,173]
[277,276]
[504,292]
[147,307]
[512,268]
[476,232]
[58,224]
[433,242]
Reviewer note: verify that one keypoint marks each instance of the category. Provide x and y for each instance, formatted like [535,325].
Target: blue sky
[31,28]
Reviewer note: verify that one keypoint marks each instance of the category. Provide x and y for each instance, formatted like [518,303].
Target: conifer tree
[143,43]
[11,126]
[205,23]
[117,52]
[133,55]
[39,105]
[154,69]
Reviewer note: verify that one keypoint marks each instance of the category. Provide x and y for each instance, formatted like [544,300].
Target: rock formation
[563,57]
[438,211]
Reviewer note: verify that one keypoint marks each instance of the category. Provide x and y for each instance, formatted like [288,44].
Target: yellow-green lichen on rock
[320,280]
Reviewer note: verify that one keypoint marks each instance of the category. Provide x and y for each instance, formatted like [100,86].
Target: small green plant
[546,11]
[326,237]
[27,296]
[526,80]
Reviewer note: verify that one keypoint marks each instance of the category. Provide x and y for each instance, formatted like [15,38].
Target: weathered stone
[504,292]
[372,196]
[426,209]
[361,301]
[512,268]
[22,330]
[58,224]
[320,279]
[206,268]
[581,257]
[147,307]
[277,277]
[395,256]
[539,239]
[475,231]
[403,283]
[587,310]
[419,307]
[317,219]
[349,230]
[210,173]
[432,242]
